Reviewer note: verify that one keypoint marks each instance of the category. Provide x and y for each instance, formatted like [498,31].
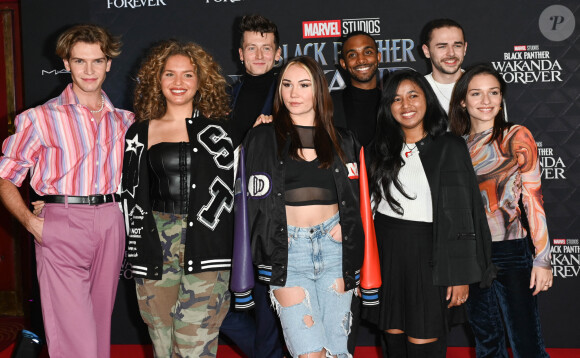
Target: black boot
[396,345]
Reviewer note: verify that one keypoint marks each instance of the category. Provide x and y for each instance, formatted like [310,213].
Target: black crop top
[306,183]
[169,176]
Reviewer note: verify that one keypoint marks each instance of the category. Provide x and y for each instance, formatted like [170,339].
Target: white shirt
[443,91]
[414,181]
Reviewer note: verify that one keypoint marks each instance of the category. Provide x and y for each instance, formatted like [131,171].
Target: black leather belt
[86,200]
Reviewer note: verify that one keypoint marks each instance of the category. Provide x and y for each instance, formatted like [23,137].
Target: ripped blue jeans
[323,318]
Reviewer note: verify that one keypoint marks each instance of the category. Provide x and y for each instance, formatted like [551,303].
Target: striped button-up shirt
[68,151]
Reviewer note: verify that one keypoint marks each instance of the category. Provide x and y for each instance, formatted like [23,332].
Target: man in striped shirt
[73,145]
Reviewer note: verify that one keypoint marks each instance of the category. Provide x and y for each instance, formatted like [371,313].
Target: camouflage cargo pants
[183,312]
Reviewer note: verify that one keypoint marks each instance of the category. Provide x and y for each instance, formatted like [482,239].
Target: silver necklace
[102,105]
[439,89]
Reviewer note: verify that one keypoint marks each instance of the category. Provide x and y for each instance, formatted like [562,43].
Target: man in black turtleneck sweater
[254,93]
[356,106]
[257,335]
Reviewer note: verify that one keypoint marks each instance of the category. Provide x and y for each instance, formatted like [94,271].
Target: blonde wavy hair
[211,98]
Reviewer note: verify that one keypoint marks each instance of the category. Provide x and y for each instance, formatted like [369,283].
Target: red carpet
[9,329]
[137,351]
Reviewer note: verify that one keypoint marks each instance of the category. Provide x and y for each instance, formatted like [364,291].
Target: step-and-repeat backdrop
[534,44]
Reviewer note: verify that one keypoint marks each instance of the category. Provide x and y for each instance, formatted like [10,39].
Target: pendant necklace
[410,151]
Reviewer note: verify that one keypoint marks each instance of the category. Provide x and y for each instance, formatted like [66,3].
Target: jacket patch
[133,145]
[222,198]
[259,185]
[134,227]
[216,141]
[352,169]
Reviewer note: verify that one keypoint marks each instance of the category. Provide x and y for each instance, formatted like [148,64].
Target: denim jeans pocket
[332,239]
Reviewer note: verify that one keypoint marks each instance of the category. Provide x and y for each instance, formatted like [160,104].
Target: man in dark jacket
[258,335]
[254,93]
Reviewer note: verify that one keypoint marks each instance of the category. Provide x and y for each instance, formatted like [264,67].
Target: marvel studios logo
[519,48]
[338,28]
[566,241]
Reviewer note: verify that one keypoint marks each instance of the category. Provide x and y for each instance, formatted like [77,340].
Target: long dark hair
[325,137]
[459,119]
[385,150]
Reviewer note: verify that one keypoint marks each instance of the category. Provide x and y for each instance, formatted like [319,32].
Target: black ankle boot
[396,345]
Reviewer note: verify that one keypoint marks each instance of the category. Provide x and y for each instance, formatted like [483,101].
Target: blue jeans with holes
[315,264]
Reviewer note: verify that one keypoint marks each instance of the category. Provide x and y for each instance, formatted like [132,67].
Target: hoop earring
[278,62]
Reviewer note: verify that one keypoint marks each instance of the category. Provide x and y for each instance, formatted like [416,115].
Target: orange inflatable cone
[371,271]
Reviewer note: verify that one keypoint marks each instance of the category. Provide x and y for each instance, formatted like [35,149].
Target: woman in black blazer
[431,230]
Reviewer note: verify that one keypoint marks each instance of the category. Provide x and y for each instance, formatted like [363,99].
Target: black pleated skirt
[408,299]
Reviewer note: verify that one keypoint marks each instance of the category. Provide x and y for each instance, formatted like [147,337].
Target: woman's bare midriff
[310,215]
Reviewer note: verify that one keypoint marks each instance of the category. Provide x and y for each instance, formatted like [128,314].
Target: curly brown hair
[211,98]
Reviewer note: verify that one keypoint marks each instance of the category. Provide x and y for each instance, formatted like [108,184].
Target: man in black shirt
[257,335]
[356,106]
[254,93]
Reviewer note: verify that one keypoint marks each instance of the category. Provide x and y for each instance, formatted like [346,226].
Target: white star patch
[133,144]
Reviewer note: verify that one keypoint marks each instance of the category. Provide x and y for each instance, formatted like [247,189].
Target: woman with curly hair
[177,196]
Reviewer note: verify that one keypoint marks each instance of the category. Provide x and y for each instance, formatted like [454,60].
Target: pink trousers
[78,265]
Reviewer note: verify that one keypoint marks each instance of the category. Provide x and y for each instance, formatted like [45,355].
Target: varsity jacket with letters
[208,245]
